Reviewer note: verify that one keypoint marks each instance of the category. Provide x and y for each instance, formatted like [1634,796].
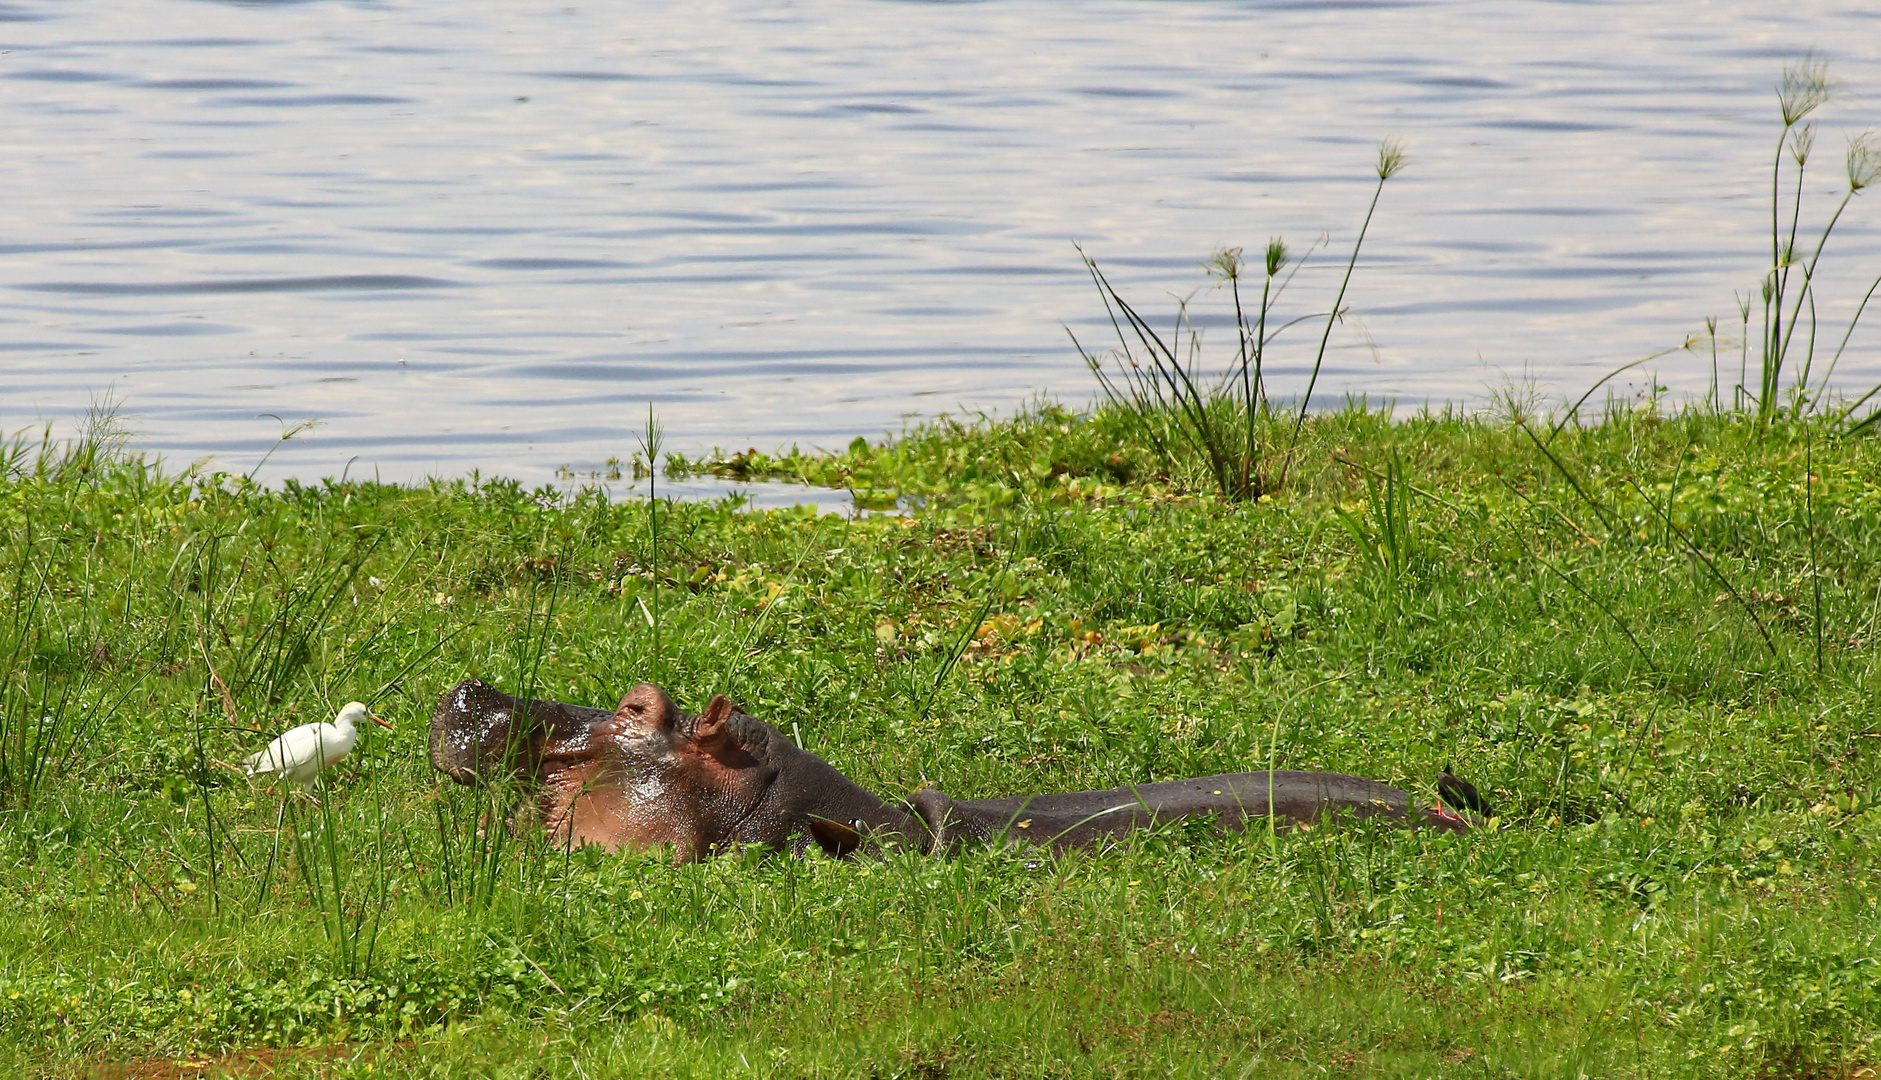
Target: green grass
[1684,886]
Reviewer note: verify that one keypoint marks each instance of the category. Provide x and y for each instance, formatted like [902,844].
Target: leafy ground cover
[1651,640]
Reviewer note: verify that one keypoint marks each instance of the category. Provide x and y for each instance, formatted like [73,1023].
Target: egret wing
[300,750]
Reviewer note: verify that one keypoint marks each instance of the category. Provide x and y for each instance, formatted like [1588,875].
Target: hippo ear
[711,733]
[834,837]
[647,708]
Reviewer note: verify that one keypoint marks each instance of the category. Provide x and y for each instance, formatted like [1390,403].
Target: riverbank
[1651,642]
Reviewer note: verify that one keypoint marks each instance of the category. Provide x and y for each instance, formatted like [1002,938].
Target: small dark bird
[1459,794]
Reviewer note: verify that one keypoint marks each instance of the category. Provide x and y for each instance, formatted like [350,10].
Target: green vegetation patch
[1650,641]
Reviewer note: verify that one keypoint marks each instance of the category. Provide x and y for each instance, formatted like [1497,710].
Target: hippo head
[641,776]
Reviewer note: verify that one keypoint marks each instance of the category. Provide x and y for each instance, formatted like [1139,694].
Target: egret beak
[379,722]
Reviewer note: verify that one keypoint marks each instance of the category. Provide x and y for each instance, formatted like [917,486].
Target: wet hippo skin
[646,774]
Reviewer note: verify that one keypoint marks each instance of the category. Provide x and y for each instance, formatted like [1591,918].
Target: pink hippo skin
[646,775]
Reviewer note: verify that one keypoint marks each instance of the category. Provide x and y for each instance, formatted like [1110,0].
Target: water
[486,236]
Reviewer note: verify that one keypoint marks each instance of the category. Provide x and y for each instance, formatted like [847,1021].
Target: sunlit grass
[1678,890]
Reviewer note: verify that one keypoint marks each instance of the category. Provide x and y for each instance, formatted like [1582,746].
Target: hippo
[645,775]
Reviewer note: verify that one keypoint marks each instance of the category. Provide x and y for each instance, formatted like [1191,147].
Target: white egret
[300,753]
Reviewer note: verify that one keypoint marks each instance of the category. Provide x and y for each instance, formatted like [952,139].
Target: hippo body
[645,775]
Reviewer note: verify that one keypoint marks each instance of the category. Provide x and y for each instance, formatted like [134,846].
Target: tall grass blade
[1574,410]
[1710,564]
[1823,388]
[1384,530]
[1809,518]
[650,441]
[959,647]
[1158,383]
[1390,163]
[1607,517]
[1606,610]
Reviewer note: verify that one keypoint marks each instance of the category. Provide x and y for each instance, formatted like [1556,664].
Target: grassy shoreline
[1650,640]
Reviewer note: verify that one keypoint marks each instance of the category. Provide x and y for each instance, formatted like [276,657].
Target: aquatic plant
[1787,305]
[1227,419]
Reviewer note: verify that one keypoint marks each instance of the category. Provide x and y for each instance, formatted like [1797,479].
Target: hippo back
[1082,818]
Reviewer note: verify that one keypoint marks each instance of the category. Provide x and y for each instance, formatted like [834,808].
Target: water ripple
[469,239]
[343,282]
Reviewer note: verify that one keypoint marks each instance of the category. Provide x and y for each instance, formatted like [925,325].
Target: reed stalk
[1787,306]
[1226,421]
[1390,163]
